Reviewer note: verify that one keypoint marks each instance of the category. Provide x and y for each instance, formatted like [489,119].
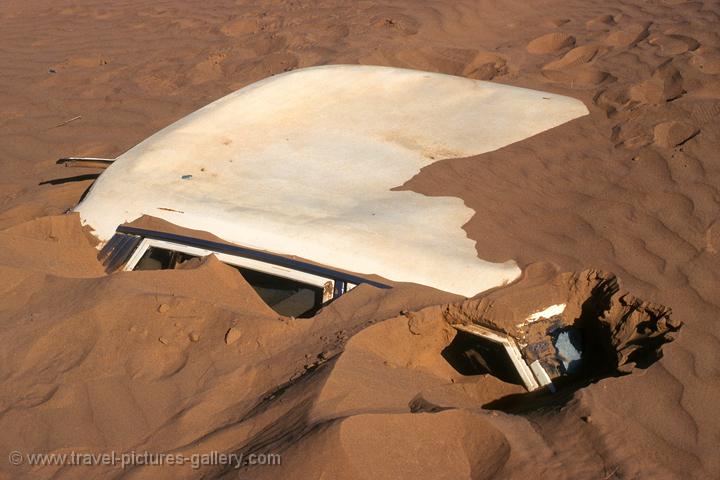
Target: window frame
[526,373]
[327,284]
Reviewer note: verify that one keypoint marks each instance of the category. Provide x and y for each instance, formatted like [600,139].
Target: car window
[470,354]
[161,259]
[287,297]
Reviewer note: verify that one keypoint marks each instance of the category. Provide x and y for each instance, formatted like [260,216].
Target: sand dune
[139,360]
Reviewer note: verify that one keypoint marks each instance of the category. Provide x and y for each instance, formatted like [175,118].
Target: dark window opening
[162,259]
[474,355]
[287,297]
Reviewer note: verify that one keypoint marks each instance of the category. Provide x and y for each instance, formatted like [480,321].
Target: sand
[141,361]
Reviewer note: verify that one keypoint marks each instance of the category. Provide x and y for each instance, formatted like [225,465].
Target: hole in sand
[596,332]
[470,354]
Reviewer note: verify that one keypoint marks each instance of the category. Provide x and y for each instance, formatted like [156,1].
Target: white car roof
[303,164]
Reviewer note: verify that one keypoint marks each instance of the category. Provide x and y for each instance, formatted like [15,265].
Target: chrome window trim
[511,348]
[327,284]
[341,278]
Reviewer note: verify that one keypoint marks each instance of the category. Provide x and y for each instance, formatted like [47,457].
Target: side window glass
[473,355]
[155,259]
[287,297]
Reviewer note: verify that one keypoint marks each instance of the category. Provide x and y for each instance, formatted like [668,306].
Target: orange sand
[93,363]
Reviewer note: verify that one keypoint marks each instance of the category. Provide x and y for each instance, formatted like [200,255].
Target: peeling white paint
[549,312]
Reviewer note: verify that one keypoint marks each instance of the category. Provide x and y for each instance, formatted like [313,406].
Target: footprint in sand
[612,99]
[583,76]
[666,84]
[629,35]
[672,134]
[551,42]
[671,45]
[573,69]
[602,22]
[631,134]
[575,57]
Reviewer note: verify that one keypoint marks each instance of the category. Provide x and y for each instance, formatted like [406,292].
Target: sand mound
[551,42]
[453,444]
[55,245]
[577,56]
[402,367]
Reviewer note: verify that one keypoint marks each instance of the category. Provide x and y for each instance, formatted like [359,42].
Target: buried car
[295,178]
[551,326]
